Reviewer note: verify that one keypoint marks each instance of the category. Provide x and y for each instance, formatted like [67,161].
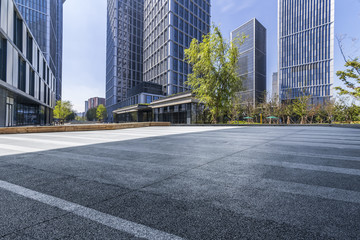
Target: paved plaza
[182,183]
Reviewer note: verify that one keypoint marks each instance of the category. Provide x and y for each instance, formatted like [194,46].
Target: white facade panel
[10,21]
[3,15]
[15,67]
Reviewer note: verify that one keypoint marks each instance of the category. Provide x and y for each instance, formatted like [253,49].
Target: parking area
[182,183]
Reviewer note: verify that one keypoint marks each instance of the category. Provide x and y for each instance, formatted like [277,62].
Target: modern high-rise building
[275,86]
[169,28]
[94,102]
[45,20]
[86,106]
[27,83]
[252,61]
[306,48]
[124,49]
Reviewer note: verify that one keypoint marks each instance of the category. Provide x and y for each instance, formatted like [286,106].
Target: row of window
[300,15]
[309,75]
[318,91]
[309,46]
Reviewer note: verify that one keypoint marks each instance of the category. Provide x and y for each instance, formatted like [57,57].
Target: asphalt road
[182,183]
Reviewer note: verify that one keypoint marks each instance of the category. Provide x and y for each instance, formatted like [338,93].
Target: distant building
[95,102]
[86,106]
[80,114]
[252,61]
[306,48]
[27,83]
[275,86]
[45,20]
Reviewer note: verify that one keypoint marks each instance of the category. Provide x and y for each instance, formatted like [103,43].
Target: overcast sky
[85,39]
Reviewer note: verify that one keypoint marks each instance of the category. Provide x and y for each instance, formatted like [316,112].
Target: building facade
[252,61]
[124,50]
[27,83]
[86,106]
[306,48]
[275,86]
[169,27]
[45,20]
[94,102]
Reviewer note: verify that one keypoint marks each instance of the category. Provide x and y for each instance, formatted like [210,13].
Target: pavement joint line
[313,155]
[123,225]
[193,168]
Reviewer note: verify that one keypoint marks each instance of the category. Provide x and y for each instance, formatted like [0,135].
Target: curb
[79,128]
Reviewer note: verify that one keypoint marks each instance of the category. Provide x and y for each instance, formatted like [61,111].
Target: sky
[84,40]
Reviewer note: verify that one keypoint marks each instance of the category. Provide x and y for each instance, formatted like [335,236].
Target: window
[18,31]
[22,75]
[148,99]
[44,92]
[44,70]
[38,61]
[47,76]
[3,52]
[32,83]
[29,48]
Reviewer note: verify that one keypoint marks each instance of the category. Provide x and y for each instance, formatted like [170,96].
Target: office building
[252,61]
[124,50]
[27,83]
[275,87]
[45,20]
[306,48]
[169,28]
[94,102]
[86,106]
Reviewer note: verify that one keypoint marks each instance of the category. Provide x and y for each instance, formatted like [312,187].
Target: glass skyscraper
[169,27]
[252,60]
[306,48]
[27,83]
[45,20]
[124,49]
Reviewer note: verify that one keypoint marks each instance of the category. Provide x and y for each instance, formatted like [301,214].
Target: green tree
[214,79]
[301,107]
[71,117]
[351,78]
[91,114]
[101,112]
[62,110]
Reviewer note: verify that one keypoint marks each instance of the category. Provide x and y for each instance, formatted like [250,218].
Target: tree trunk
[288,120]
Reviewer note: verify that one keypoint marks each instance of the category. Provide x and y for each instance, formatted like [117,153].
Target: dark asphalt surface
[190,182]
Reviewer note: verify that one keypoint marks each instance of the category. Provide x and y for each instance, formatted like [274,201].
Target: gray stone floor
[182,182]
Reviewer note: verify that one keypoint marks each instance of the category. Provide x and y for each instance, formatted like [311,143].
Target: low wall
[271,125]
[75,128]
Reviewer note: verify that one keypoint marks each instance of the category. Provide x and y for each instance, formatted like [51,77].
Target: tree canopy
[91,114]
[62,110]
[101,112]
[214,79]
[351,78]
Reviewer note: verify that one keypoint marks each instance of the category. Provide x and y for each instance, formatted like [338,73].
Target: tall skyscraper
[275,86]
[306,48]
[27,83]
[169,28]
[252,60]
[124,49]
[45,19]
